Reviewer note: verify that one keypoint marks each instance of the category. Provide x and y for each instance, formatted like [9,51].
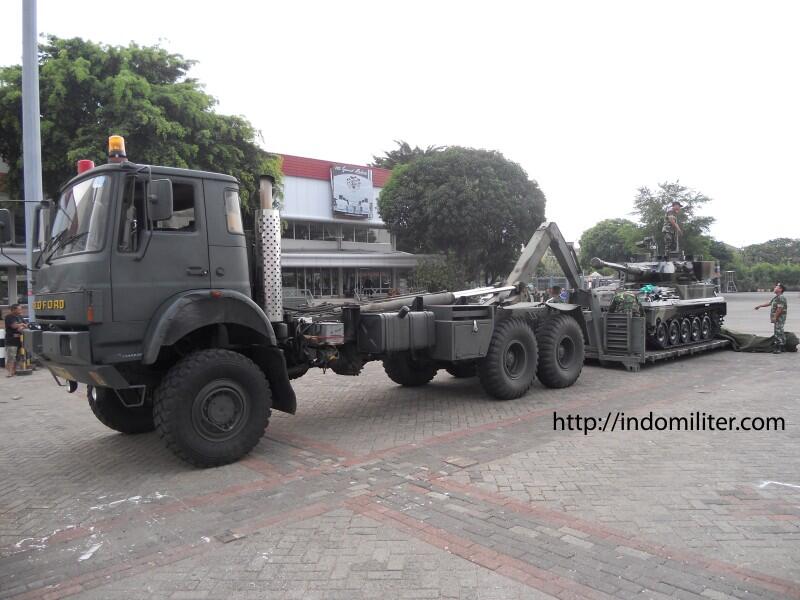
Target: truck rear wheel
[560,351]
[212,407]
[509,368]
[112,413]
[406,371]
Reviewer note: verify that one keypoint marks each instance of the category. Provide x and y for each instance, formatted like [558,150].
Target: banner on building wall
[353,194]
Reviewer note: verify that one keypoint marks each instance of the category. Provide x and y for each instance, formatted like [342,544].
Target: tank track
[689,326]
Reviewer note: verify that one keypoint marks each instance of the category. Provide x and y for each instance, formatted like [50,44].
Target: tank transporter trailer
[148,291]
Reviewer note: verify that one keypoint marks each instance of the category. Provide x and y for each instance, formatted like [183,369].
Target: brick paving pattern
[373,491]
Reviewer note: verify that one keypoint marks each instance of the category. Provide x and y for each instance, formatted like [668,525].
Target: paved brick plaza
[375,491]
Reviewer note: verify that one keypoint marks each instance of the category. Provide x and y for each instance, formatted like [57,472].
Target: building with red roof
[334,242]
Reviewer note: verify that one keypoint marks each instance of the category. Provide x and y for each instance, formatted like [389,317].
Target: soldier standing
[555,295]
[777,316]
[671,230]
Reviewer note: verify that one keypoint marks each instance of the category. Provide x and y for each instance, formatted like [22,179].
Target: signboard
[353,194]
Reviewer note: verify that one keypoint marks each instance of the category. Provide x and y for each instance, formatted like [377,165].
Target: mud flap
[273,363]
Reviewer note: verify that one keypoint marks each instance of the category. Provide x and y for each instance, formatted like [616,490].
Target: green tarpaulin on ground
[747,342]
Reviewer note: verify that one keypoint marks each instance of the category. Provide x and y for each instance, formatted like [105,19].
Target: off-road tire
[502,379]
[110,411]
[404,370]
[185,399]
[462,370]
[561,351]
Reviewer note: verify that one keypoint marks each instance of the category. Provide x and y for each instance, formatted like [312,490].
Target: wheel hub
[565,352]
[220,410]
[515,359]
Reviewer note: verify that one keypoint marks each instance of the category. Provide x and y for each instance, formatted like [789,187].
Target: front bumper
[68,356]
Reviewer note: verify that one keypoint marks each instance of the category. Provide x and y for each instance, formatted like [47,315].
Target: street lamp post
[31,141]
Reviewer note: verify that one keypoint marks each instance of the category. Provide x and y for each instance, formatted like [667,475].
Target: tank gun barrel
[598,263]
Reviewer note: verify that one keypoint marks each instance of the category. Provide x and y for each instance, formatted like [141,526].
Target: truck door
[154,261]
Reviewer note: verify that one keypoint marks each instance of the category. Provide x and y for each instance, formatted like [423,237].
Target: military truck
[148,292]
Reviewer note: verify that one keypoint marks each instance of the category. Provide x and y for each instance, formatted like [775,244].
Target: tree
[722,252]
[437,273]
[613,240]
[89,91]
[650,206]
[780,250]
[402,155]
[473,203]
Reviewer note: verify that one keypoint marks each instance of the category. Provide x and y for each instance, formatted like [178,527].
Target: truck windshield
[79,224]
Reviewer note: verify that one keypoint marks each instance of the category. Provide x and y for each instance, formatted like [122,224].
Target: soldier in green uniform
[671,230]
[626,301]
[777,316]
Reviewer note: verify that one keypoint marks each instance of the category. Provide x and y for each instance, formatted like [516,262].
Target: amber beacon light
[116,149]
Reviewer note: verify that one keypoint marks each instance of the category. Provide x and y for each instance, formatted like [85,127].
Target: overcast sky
[594,99]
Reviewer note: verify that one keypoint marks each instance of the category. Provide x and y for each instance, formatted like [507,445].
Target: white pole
[31,141]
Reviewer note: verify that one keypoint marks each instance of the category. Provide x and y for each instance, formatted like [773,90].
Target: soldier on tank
[777,316]
[671,230]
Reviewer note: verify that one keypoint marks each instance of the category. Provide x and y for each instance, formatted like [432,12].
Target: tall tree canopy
[777,251]
[402,155]
[473,203]
[613,240]
[89,91]
[650,206]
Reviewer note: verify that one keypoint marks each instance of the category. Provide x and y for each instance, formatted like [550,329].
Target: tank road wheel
[406,371]
[696,329]
[686,331]
[674,333]
[462,370]
[110,411]
[509,368]
[560,341]
[212,407]
[706,328]
[661,336]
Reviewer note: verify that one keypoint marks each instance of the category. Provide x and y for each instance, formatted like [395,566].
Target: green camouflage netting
[747,342]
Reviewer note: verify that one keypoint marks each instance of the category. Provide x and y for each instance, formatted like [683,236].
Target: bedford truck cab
[126,238]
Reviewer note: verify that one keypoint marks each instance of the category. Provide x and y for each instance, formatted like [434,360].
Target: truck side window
[182,209]
[233,214]
[132,222]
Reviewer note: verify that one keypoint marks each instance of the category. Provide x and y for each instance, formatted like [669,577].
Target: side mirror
[6,226]
[159,200]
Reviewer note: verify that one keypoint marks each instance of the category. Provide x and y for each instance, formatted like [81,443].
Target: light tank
[677,297]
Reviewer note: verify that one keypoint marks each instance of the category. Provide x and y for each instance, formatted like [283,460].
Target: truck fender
[188,311]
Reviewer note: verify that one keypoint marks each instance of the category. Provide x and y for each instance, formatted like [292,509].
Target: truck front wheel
[560,351]
[509,368]
[212,407]
[112,413]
